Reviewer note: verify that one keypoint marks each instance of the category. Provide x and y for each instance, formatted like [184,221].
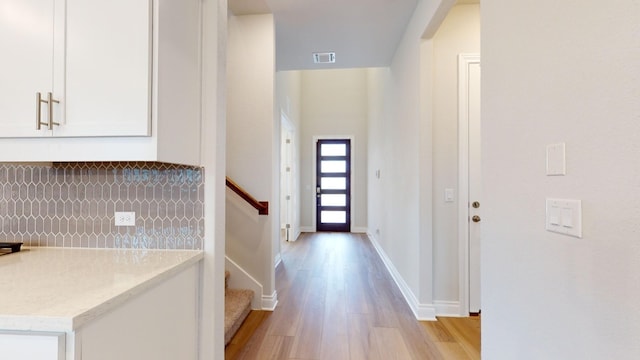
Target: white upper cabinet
[27,61]
[93,56]
[124,78]
[108,68]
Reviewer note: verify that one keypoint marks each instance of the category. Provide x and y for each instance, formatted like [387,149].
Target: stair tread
[237,305]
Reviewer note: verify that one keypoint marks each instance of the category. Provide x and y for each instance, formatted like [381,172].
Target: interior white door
[286,180]
[475,186]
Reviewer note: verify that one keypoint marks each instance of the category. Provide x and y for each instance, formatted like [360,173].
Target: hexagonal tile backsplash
[73,205]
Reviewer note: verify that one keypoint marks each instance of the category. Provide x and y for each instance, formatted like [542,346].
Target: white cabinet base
[160,324]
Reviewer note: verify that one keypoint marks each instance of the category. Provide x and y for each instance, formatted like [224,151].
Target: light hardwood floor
[337,301]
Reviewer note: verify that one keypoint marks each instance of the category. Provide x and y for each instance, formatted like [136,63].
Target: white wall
[400,147]
[458,33]
[377,147]
[413,135]
[334,103]
[288,88]
[560,71]
[252,147]
[211,328]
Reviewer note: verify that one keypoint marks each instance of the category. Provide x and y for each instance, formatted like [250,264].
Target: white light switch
[567,217]
[556,164]
[554,215]
[448,195]
[564,216]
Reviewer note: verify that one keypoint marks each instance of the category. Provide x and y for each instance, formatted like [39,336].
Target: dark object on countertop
[14,246]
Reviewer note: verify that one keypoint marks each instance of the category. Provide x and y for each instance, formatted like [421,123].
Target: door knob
[476,218]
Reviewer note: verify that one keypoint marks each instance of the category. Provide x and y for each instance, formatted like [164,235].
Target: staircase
[237,306]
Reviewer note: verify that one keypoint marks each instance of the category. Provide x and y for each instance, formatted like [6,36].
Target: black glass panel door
[333,185]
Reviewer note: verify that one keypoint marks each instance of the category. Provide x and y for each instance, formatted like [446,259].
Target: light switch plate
[448,195]
[564,216]
[556,164]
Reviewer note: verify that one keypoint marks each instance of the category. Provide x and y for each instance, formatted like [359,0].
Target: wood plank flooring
[337,301]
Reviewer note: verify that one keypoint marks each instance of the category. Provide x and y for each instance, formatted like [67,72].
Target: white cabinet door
[32,346]
[27,61]
[108,68]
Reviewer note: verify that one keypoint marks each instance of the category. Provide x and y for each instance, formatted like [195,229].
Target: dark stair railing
[261,206]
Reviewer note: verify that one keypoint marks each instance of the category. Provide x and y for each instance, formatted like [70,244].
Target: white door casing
[469,182]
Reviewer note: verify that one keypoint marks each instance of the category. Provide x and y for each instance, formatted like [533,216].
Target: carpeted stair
[237,306]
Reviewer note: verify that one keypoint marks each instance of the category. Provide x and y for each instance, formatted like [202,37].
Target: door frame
[464,63]
[314,156]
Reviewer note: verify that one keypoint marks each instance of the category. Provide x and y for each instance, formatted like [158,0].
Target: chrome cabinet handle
[50,101]
[39,102]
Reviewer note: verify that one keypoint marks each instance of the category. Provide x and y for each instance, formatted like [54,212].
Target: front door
[333,185]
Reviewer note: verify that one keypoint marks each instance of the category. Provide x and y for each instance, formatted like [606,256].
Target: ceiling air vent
[324,58]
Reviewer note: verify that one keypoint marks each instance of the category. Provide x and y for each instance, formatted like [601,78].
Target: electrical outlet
[125,218]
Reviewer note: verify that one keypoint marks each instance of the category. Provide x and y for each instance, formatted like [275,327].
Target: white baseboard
[240,279]
[354,229]
[269,302]
[422,312]
[278,260]
[359,230]
[447,308]
[296,236]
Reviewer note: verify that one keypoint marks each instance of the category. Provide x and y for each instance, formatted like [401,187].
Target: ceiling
[362,33]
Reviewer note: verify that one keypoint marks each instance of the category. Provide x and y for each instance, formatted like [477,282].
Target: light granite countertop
[60,289]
